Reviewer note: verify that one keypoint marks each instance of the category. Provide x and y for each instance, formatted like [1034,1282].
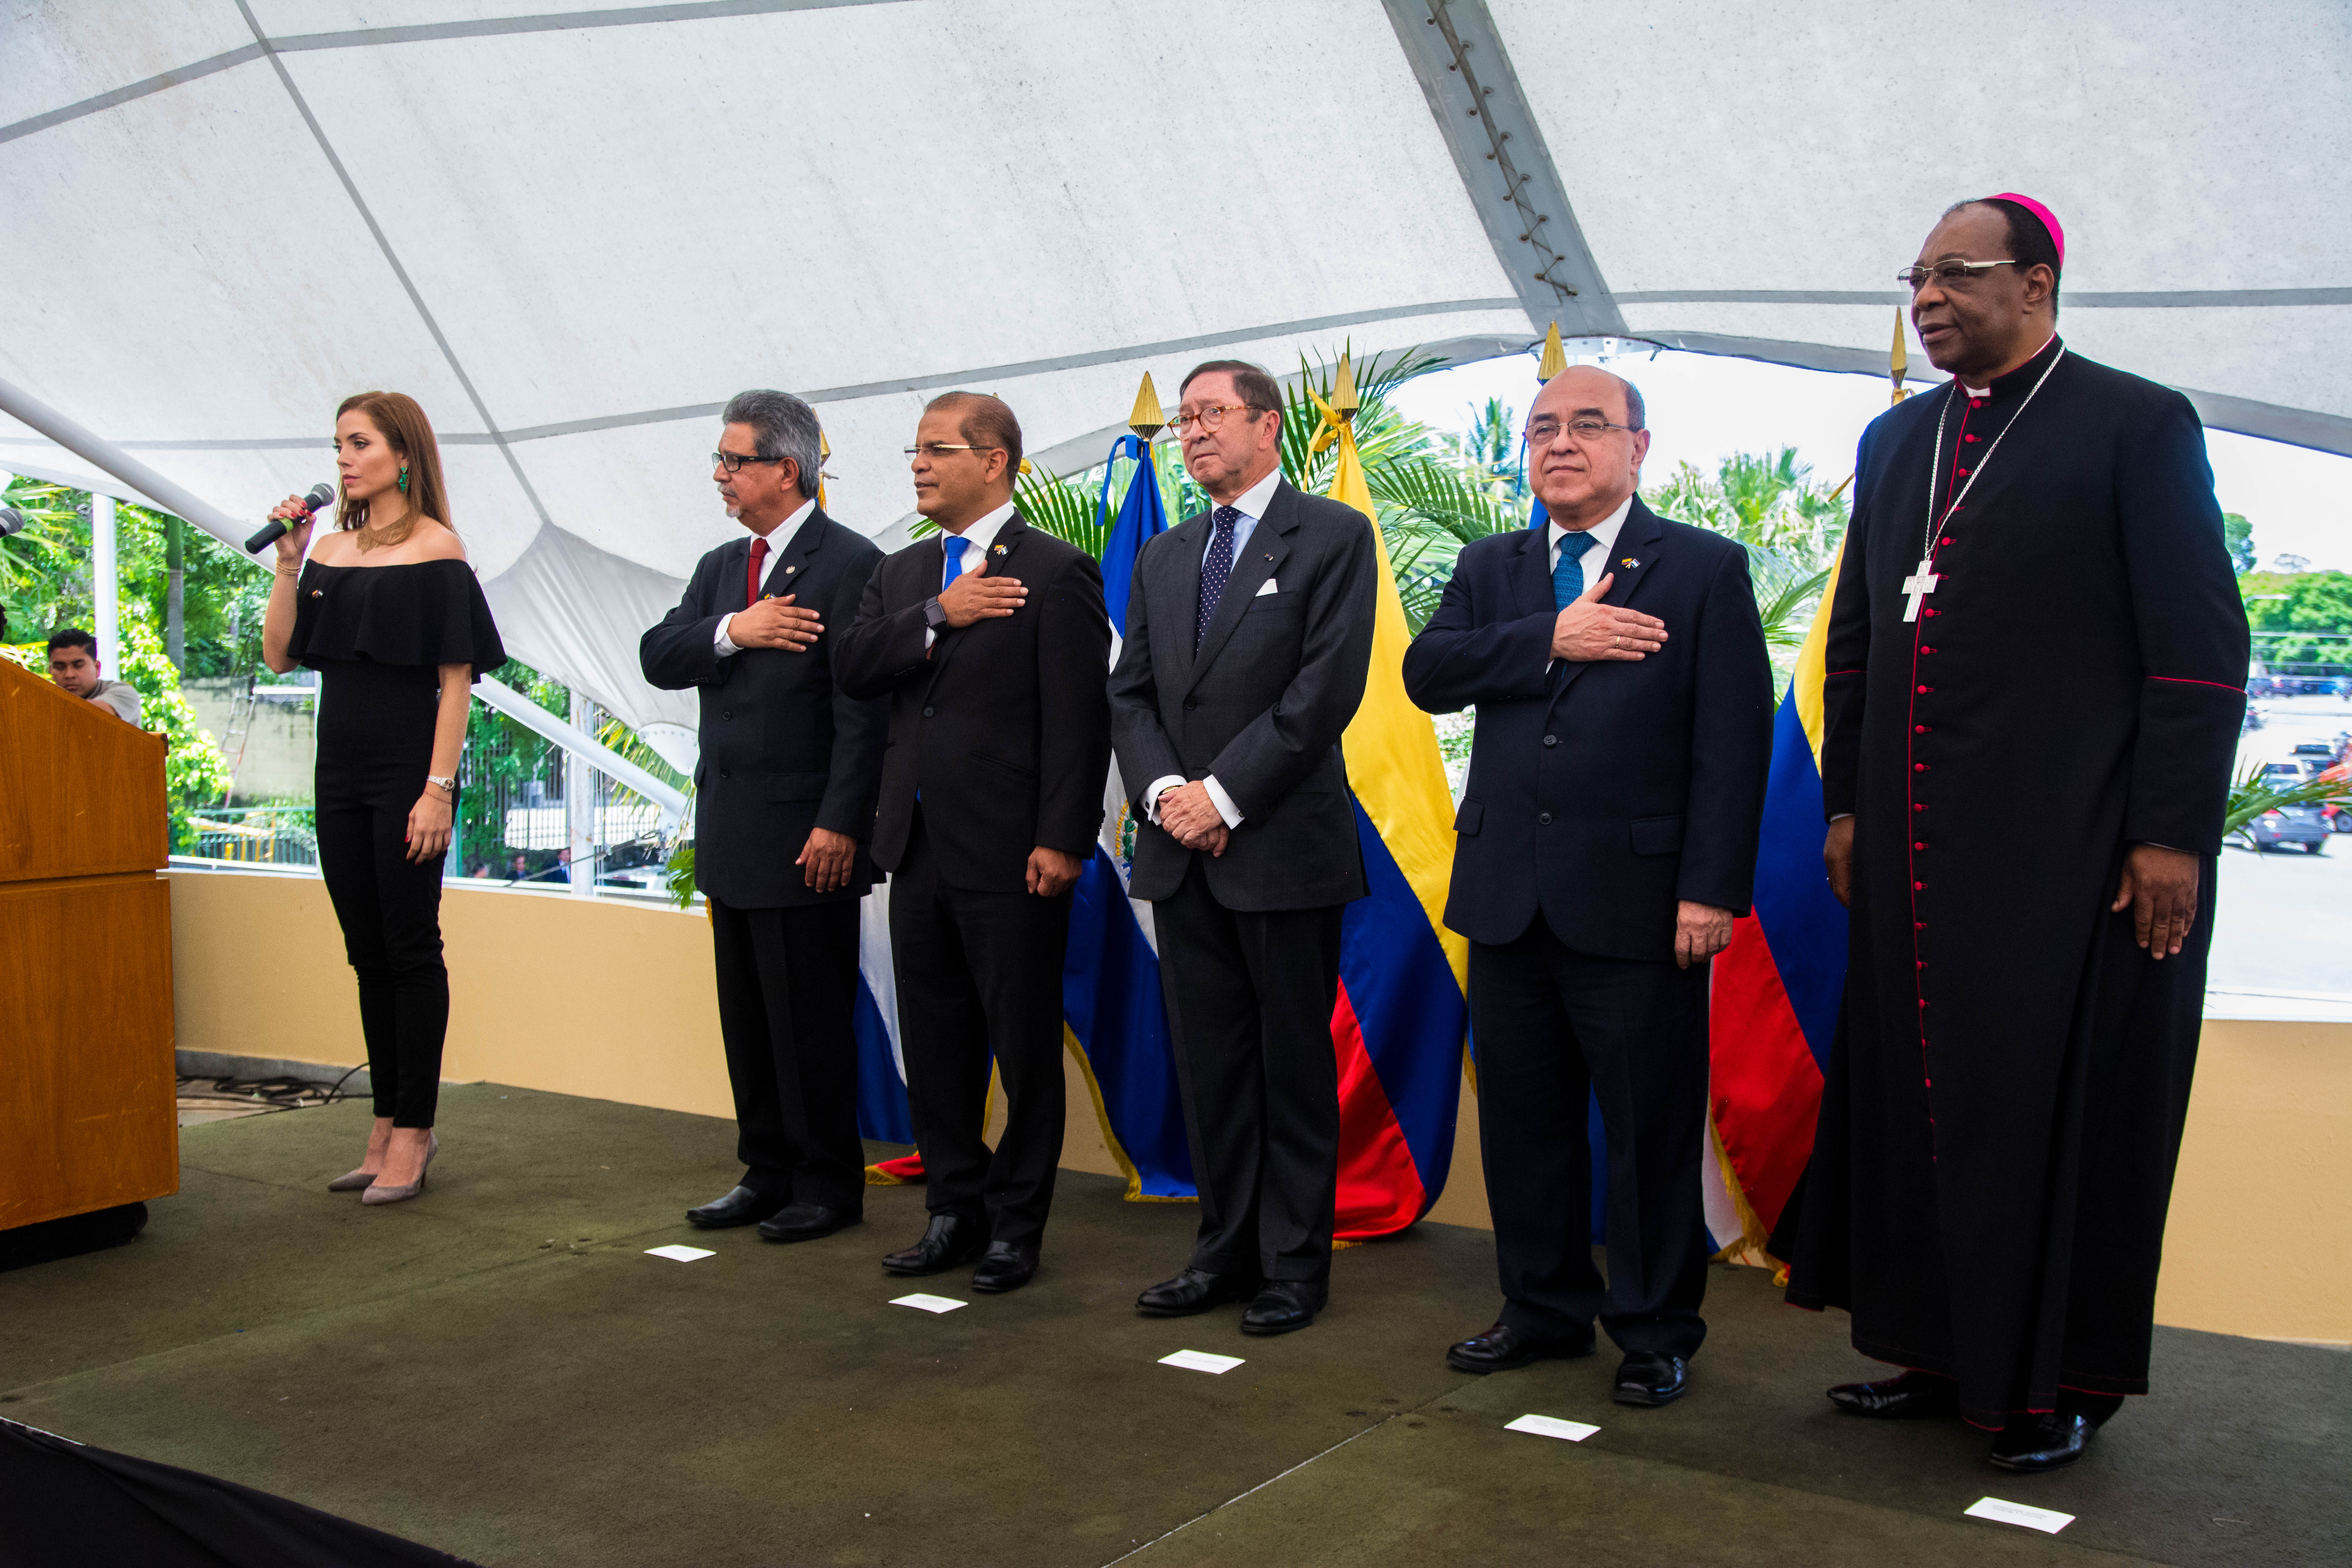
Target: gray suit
[1249,941]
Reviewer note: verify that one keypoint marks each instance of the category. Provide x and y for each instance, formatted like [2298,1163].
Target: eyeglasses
[935,450]
[1214,416]
[733,462]
[1947,273]
[1544,432]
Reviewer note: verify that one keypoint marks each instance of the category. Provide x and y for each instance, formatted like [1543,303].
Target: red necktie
[751,588]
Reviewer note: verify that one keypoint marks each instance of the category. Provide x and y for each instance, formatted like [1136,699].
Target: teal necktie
[1567,577]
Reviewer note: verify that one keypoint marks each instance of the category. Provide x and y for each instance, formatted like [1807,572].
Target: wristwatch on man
[935,615]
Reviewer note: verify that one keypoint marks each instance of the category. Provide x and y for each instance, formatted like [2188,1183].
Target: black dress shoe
[806,1222]
[1194,1290]
[949,1239]
[742,1205]
[1503,1347]
[1645,1377]
[1899,1398]
[1004,1267]
[1284,1306]
[2043,1442]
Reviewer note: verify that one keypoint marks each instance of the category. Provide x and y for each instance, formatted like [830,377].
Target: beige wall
[613,1001]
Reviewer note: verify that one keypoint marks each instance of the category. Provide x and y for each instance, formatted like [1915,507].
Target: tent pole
[104,455]
[105,586]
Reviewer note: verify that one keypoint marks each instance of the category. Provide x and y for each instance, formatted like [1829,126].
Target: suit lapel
[1175,588]
[791,563]
[1254,565]
[998,562]
[1638,542]
[1531,574]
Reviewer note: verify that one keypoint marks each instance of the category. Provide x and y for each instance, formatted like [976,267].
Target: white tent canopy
[571,236]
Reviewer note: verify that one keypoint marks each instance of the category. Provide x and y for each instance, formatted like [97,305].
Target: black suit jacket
[1605,793]
[784,750]
[1002,726]
[1261,705]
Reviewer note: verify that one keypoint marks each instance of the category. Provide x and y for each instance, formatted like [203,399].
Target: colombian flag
[1399,1024]
[1777,987]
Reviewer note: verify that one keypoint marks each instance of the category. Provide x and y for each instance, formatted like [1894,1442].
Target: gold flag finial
[1897,361]
[823,444]
[1344,400]
[823,450]
[1555,358]
[1148,419]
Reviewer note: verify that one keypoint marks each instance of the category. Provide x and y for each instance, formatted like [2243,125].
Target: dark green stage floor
[499,1370]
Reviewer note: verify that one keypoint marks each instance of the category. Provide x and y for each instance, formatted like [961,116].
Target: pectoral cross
[1919,584]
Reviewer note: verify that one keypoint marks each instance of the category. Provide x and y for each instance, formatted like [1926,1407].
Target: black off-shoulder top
[424,613]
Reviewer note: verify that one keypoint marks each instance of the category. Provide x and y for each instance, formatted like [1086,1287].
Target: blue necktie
[956,545]
[1216,570]
[1567,577]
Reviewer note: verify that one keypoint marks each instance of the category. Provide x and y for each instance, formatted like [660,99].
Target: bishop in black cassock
[2035,679]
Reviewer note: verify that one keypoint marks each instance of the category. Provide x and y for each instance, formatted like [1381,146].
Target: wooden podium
[89,1092]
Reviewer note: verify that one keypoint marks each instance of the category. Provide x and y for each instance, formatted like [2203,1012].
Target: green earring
[403,478]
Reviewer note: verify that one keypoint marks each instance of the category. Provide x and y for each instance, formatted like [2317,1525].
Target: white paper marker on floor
[1201,1361]
[680,1254]
[923,1303]
[1551,1426]
[2040,1518]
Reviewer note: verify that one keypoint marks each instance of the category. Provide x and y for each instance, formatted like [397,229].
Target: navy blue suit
[1601,795]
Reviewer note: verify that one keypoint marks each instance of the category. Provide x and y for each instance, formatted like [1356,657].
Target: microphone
[321,495]
[11,520]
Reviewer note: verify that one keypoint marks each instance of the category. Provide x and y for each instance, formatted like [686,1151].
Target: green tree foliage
[2239,535]
[2281,604]
[1790,525]
[194,772]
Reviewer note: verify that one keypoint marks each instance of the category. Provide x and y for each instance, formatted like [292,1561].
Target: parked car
[2298,824]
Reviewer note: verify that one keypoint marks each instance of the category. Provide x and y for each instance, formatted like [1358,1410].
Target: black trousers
[1250,994]
[1556,1028]
[375,746]
[787,991]
[979,972]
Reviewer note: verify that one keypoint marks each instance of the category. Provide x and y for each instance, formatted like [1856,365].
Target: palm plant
[2253,796]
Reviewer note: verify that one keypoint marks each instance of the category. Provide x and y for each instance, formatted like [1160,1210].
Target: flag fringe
[1135,1192]
[1750,1248]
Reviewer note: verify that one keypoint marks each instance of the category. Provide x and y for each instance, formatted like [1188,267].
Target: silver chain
[1934,529]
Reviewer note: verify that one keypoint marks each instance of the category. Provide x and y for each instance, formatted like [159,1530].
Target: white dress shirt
[777,538]
[1595,562]
[977,538]
[1252,504]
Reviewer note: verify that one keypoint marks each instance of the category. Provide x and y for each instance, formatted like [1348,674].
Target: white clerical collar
[1603,533]
[1252,502]
[1985,390]
[983,534]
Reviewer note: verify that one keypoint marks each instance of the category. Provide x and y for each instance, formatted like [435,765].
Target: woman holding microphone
[388,612]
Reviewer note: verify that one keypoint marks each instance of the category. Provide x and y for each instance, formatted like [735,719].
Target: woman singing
[389,614]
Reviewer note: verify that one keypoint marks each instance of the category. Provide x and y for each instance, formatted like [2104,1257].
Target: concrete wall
[279,746]
[613,1001]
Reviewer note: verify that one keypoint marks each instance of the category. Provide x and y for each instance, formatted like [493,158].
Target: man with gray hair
[785,804]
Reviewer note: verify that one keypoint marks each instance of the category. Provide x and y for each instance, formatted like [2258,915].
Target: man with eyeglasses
[1248,636]
[990,643]
[2026,791]
[784,804]
[1605,843]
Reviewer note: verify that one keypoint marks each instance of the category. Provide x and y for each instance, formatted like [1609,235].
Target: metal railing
[260,834]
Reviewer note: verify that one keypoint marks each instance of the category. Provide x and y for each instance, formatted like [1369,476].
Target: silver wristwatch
[449,784]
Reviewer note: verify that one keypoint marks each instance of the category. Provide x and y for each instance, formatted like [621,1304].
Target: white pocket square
[1265,588]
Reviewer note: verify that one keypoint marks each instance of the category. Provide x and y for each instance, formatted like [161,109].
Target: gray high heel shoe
[351,1181]
[380,1193]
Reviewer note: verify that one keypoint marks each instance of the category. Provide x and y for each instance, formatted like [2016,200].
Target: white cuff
[930,638]
[720,642]
[1840,816]
[1223,802]
[1153,790]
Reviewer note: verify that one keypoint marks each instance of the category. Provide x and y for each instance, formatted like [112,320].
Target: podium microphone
[321,495]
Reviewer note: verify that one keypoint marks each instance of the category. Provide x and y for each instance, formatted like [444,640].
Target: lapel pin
[1000,550]
[789,569]
[1629,563]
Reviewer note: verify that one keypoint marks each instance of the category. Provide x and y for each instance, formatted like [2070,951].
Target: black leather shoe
[806,1222]
[1503,1347]
[742,1205]
[1194,1290]
[2048,1441]
[1284,1306]
[949,1239]
[1645,1377]
[1004,1267]
[1900,1398]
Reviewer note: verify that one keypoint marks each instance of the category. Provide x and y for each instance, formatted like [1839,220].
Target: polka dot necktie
[1216,570]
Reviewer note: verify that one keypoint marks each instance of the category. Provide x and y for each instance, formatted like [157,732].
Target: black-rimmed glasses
[733,462]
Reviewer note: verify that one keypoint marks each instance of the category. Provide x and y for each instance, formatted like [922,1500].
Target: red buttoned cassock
[2005,1099]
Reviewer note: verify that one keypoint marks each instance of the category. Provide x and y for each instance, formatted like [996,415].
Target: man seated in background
[73,665]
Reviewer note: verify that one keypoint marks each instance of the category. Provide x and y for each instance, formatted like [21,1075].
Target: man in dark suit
[785,799]
[990,643]
[1607,841]
[1248,635]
